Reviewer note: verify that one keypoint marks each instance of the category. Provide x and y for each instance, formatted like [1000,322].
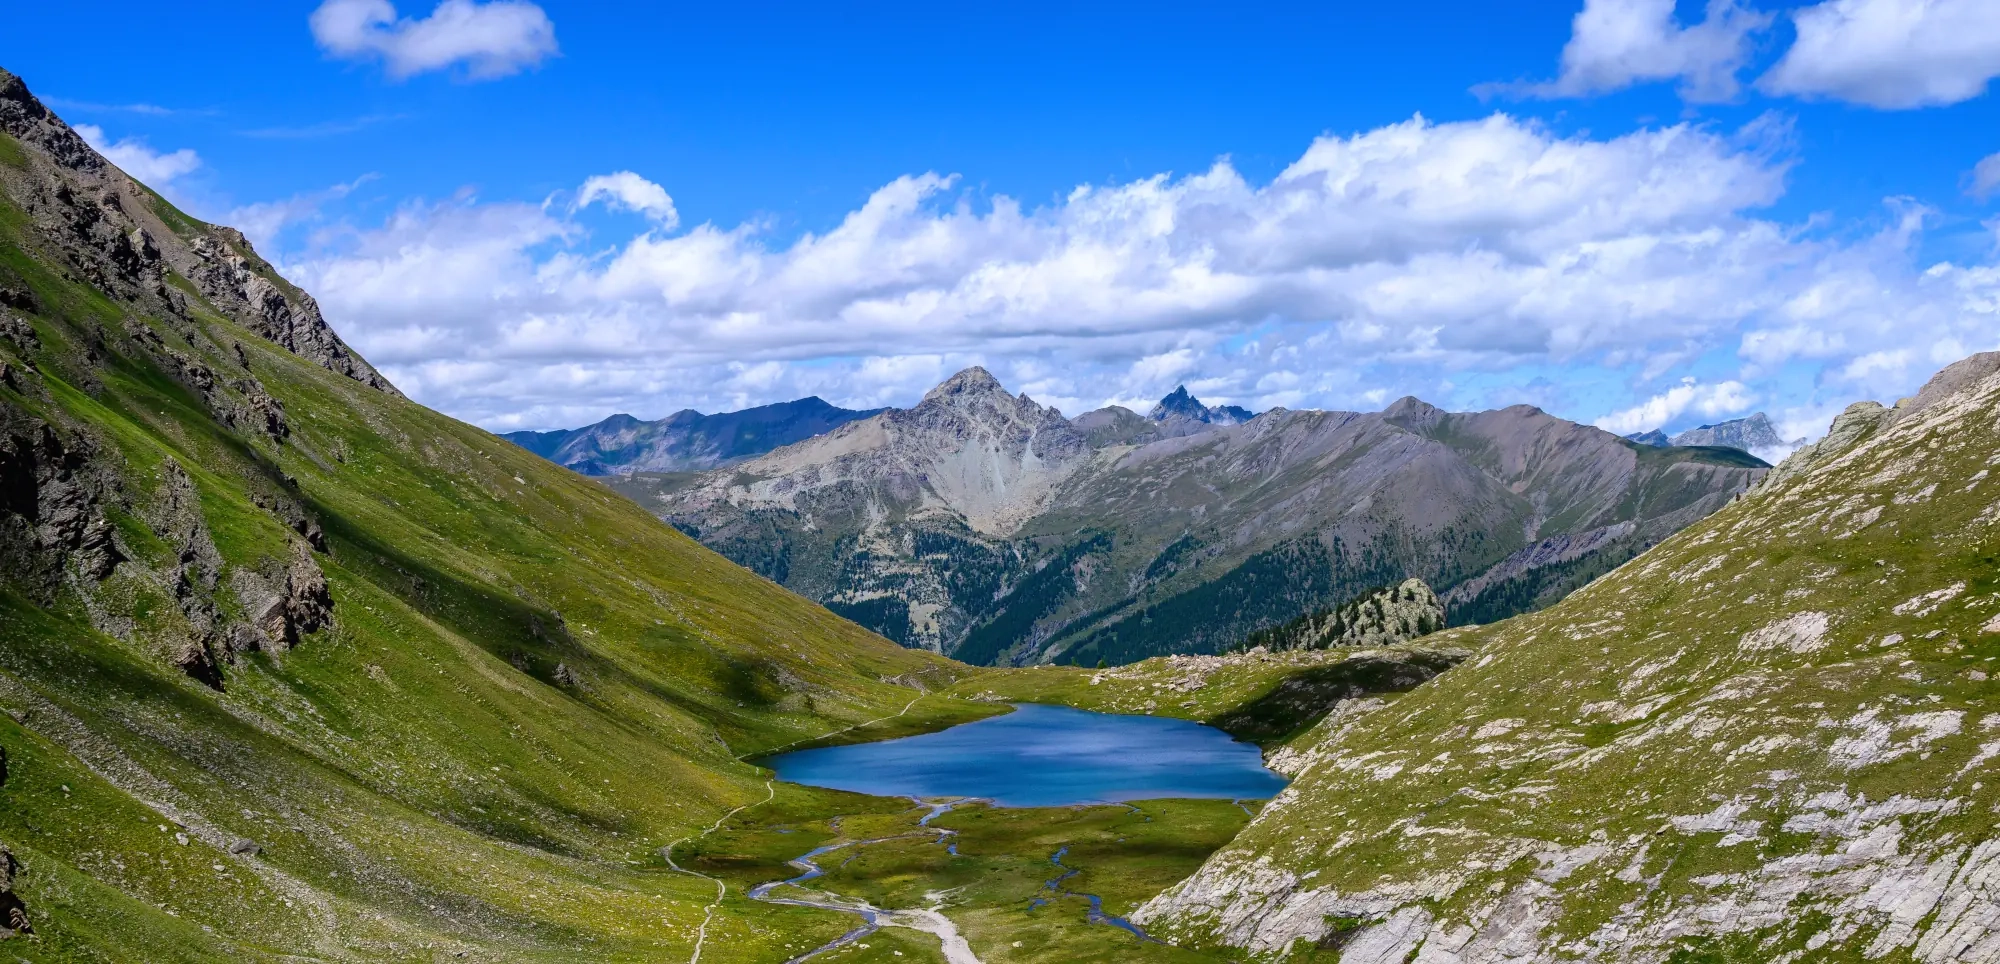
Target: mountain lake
[1044,756]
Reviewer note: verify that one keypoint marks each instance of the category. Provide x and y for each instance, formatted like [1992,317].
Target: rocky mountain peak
[26,119]
[975,397]
[1179,402]
[1413,413]
[1180,407]
[972,381]
[1752,433]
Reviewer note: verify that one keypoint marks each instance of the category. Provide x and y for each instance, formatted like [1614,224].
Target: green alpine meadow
[294,668]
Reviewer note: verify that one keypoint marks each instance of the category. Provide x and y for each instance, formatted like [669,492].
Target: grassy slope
[1676,763]
[414,791]
[1125,855]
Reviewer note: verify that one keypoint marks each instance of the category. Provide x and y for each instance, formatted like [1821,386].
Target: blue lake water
[1044,756]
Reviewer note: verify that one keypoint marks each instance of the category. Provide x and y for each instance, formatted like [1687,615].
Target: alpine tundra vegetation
[293,668]
[1769,738]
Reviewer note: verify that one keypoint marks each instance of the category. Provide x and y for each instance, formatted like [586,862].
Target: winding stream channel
[929,919]
[1035,756]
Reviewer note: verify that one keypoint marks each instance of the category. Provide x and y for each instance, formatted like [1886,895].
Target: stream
[928,920]
[1097,914]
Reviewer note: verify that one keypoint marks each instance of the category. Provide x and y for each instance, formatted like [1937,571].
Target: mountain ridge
[687,440]
[1067,540]
[1752,433]
[295,668]
[1765,739]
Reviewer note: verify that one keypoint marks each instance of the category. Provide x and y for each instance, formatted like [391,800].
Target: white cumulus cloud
[1394,260]
[1617,43]
[155,169]
[1891,54]
[1985,176]
[1711,400]
[487,40]
[627,190]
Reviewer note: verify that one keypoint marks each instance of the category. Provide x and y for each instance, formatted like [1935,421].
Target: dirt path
[930,920]
[771,793]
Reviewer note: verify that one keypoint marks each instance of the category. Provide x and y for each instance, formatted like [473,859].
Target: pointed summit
[1413,413]
[972,381]
[1179,403]
[1179,406]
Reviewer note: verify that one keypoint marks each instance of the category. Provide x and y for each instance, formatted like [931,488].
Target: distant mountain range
[686,440]
[1754,434]
[992,528]
[689,441]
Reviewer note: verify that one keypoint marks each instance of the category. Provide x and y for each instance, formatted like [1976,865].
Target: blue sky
[1663,215]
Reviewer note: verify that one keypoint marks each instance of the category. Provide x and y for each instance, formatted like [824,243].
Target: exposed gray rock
[122,238]
[1753,434]
[1853,425]
[290,605]
[52,493]
[16,330]
[1954,378]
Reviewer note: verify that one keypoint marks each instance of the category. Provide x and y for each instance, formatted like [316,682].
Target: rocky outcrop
[1380,617]
[232,276]
[13,913]
[127,241]
[1966,373]
[295,602]
[176,517]
[1859,421]
[52,495]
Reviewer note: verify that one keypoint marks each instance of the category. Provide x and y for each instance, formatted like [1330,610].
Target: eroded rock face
[293,604]
[1790,697]
[231,274]
[176,517]
[52,497]
[13,913]
[994,529]
[125,240]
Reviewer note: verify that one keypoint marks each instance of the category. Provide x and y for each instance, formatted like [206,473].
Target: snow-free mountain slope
[994,529]
[1770,738]
[293,668]
[1752,433]
[687,440]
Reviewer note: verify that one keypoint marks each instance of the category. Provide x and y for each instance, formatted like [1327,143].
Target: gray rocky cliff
[125,239]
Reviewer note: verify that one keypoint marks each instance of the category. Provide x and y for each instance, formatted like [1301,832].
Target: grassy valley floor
[991,870]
